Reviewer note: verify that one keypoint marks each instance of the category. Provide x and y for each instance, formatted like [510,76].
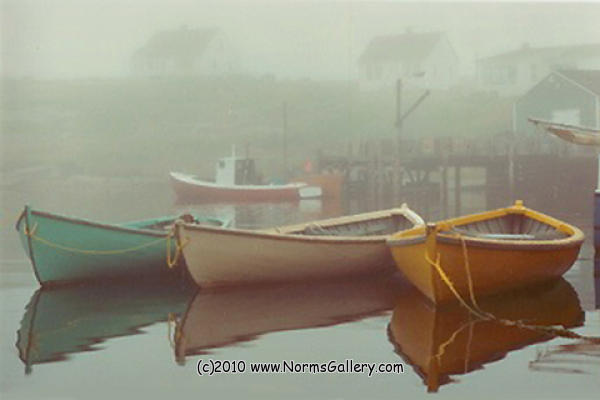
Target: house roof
[552,52]
[399,48]
[590,79]
[183,42]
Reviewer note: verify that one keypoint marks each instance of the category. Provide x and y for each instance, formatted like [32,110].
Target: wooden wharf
[443,169]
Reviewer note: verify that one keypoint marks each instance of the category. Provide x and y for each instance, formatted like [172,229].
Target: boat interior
[373,227]
[511,226]
[167,224]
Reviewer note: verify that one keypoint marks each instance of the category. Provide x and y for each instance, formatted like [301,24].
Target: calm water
[144,341]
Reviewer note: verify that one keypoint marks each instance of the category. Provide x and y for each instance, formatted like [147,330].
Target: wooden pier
[442,170]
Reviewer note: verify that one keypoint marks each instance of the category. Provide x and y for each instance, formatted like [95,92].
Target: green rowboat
[65,249]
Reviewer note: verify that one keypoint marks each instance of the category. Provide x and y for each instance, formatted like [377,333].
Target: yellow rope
[174,260]
[450,285]
[32,235]
[442,347]
[475,310]
[92,252]
[28,232]
[468,272]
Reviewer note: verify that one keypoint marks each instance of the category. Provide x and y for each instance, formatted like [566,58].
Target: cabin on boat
[236,171]
[569,97]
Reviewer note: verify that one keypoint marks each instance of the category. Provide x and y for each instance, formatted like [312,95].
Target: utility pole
[285,128]
[396,174]
[399,111]
[400,117]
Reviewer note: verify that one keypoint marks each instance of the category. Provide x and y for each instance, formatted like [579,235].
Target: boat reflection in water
[59,321]
[221,317]
[579,357]
[444,341]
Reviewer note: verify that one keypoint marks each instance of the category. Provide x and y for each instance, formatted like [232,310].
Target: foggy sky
[322,40]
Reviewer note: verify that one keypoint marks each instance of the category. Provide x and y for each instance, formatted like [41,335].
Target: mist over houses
[186,51]
[426,60]
[559,83]
[514,72]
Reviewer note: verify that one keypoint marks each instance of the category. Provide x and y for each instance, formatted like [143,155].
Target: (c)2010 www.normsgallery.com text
[212,367]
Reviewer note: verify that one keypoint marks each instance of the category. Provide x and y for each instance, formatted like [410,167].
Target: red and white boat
[236,181]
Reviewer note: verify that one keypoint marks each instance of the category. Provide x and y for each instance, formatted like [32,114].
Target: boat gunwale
[180,177]
[575,235]
[115,227]
[284,236]
[284,233]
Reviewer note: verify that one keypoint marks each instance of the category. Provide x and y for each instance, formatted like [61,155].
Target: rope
[174,260]
[450,285]
[33,236]
[442,347]
[469,278]
[479,313]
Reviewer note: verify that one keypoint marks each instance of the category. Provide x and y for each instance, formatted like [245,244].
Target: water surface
[144,341]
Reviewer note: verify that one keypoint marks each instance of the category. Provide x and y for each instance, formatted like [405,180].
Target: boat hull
[188,188]
[492,269]
[343,246]
[217,257]
[63,249]
[490,262]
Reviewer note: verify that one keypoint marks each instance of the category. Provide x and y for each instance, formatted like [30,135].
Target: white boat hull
[221,257]
[217,257]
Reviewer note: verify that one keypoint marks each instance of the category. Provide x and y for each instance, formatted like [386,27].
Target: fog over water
[101,99]
[320,40]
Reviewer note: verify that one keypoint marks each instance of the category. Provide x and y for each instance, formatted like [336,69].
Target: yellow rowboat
[341,246]
[442,342]
[485,253]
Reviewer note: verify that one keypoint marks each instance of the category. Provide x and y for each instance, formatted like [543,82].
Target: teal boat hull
[65,249]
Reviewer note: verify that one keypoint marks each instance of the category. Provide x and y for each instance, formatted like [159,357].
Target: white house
[515,72]
[186,51]
[426,60]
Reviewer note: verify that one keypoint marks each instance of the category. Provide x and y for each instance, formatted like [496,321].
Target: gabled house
[423,59]
[568,96]
[186,51]
[514,72]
